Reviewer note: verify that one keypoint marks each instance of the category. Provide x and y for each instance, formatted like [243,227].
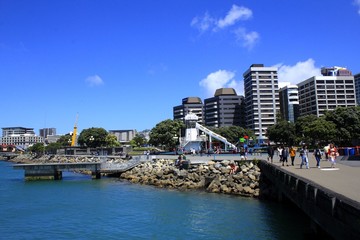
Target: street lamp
[175,137]
[91,139]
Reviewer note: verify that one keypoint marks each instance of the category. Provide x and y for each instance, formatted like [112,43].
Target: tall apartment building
[226,108]
[261,99]
[335,88]
[357,88]
[189,104]
[19,136]
[289,102]
[44,132]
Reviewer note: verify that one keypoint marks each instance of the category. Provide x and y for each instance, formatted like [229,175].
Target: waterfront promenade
[344,179]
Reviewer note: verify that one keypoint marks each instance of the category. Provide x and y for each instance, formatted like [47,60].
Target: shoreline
[220,176]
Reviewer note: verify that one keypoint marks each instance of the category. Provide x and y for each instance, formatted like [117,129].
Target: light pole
[175,137]
[91,139]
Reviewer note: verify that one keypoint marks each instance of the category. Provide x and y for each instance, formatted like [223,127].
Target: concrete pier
[335,212]
[53,171]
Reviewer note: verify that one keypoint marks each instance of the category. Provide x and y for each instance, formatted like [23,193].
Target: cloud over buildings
[221,79]
[297,73]
[229,21]
[94,81]
[287,74]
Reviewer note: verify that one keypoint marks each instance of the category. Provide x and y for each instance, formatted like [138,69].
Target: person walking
[270,152]
[317,154]
[304,157]
[280,150]
[292,153]
[326,151]
[285,154]
[333,153]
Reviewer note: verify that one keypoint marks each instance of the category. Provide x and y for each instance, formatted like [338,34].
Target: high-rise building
[357,88]
[44,132]
[261,99]
[189,104]
[19,136]
[318,94]
[289,102]
[226,108]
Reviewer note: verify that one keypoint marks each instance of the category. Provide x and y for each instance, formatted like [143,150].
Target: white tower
[191,133]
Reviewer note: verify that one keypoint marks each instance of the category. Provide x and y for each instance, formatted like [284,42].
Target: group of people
[330,152]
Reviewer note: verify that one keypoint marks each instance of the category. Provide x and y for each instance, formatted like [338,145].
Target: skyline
[124,65]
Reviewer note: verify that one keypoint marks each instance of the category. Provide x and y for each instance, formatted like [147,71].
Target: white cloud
[93,81]
[203,23]
[247,39]
[235,14]
[298,72]
[357,3]
[220,79]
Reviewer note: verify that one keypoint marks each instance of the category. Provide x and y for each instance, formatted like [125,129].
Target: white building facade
[322,93]
[19,136]
[261,99]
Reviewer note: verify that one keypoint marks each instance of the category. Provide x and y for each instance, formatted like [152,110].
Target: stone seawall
[214,177]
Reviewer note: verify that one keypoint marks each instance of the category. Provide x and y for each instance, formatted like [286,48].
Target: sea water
[78,207]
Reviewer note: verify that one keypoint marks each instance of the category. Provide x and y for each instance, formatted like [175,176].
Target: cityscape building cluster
[264,101]
[259,109]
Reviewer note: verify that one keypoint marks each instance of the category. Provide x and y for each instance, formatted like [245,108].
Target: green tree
[138,140]
[38,148]
[93,137]
[319,131]
[347,123]
[282,132]
[301,124]
[52,148]
[64,140]
[111,141]
[164,133]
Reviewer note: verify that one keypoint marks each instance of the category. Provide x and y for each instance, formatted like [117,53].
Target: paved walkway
[344,179]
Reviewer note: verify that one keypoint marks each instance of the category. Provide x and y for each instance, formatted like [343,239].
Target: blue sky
[125,64]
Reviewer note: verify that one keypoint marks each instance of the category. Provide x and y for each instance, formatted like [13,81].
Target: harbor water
[77,207]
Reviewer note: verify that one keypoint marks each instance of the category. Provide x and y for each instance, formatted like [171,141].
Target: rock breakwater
[215,177]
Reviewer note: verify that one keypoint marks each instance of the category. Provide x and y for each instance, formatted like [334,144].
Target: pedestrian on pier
[280,150]
[304,157]
[292,153]
[270,152]
[317,154]
[326,151]
[333,153]
[285,154]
